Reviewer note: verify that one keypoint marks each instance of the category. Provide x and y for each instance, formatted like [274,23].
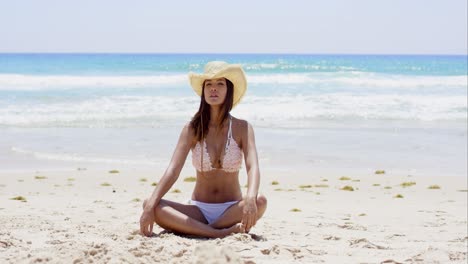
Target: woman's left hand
[249,217]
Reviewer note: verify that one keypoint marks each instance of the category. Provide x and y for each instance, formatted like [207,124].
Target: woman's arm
[251,163]
[249,218]
[172,172]
[170,176]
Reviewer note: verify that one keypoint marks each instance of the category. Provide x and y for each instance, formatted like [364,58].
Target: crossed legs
[188,219]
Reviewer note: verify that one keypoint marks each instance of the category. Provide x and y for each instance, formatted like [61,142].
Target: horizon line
[233,53]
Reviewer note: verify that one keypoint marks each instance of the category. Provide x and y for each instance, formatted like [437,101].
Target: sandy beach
[92,216]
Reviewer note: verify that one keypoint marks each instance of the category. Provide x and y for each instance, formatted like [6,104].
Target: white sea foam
[82,158]
[35,82]
[298,111]
[341,79]
[102,112]
[360,79]
[284,66]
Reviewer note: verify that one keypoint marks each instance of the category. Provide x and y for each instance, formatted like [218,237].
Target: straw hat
[219,69]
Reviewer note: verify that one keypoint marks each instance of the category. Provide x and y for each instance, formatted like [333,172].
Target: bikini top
[232,160]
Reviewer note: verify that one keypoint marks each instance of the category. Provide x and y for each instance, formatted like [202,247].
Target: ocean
[327,113]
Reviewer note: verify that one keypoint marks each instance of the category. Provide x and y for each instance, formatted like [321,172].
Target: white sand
[77,220]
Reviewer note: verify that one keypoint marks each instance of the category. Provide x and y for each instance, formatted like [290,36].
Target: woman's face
[215,91]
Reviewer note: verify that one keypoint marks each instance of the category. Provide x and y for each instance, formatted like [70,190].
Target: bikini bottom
[212,211]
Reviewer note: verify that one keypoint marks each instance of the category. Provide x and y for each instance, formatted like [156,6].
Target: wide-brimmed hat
[219,69]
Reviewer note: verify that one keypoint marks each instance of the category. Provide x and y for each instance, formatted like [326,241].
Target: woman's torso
[217,187]
[218,181]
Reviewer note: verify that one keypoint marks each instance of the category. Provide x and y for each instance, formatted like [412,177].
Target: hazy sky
[240,26]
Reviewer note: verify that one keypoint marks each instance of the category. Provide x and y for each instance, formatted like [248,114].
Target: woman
[218,141]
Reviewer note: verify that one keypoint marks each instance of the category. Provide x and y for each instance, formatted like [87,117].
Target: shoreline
[434,151]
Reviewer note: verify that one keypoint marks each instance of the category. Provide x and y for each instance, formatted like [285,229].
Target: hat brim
[233,73]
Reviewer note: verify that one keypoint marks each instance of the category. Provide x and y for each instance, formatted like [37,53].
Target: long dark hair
[201,119]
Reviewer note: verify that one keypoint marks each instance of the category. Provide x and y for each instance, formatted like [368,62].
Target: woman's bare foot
[237,228]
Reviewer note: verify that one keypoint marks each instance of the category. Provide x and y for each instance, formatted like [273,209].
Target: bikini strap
[228,141]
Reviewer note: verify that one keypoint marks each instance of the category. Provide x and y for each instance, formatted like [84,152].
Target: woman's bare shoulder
[240,130]
[240,124]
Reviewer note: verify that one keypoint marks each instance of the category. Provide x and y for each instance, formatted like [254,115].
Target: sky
[241,26]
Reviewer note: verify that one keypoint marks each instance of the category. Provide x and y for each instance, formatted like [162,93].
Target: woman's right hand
[146,223]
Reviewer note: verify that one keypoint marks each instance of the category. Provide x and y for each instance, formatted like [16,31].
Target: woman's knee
[261,201]
[158,211]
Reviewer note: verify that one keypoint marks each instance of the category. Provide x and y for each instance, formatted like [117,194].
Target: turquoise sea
[327,112]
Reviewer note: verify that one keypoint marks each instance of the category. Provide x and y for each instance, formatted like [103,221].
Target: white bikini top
[232,160]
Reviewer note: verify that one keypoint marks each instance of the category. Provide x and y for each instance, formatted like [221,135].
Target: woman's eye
[220,84]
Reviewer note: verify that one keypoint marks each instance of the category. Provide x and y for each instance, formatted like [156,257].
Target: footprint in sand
[41,259]
[295,253]
[332,238]
[97,252]
[137,252]
[180,253]
[351,226]
[275,249]
[144,250]
[5,244]
[317,252]
[460,239]
[457,255]
[55,242]
[434,255]
[390,261]
[364,243]
[394,235]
